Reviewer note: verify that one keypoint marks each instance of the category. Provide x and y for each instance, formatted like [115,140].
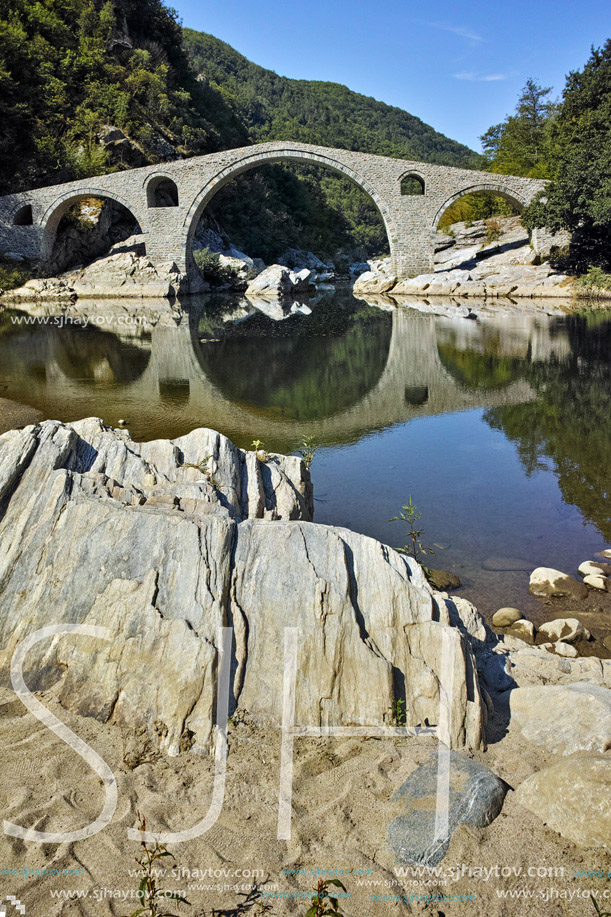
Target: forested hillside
[276,108]
[70,67]
[313,208]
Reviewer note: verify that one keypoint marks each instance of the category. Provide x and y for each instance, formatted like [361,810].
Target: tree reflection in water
[304,368]
[570,420]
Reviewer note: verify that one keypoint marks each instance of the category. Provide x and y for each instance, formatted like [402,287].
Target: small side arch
[53,214]
[412,184]
[513,197]
[161,191]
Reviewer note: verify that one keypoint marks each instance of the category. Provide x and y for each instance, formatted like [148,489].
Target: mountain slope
[272,208]
[277,108]
[68,68]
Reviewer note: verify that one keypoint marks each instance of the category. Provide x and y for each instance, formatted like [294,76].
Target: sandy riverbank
[14,415]
[342,807]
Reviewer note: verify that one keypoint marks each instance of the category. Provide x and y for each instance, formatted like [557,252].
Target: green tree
[69,66]
[578,198]
[518,145]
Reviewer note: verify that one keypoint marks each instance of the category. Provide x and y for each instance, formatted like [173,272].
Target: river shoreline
[14,415]
[489,260]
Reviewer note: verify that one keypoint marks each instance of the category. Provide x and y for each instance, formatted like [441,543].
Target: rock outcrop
[166,542]
[535,665]
[565,718]
[487,259]
[124,274]
[572,797]
[374,282]
[280,282]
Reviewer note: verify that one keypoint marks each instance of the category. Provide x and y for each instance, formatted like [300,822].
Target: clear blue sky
[458,66]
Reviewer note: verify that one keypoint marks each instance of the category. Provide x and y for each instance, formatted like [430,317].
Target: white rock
[465,616]
[244,269]
[593,568]
[279,281]
[301,279]
[539,665]
[572,797]
[276,279]
[564,718]
[373,282]
[524,630]
[566,629]
[597,581]
[165,542]
[547,582]
[565,649]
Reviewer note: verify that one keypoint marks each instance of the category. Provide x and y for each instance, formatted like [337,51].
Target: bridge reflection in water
[343,371]
[498,427]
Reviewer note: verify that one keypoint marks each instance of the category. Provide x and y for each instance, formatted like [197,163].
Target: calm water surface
[499,428]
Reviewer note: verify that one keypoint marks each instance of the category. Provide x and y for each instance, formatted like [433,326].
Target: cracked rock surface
[166,542]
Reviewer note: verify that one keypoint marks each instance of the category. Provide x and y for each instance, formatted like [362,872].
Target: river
[499,428]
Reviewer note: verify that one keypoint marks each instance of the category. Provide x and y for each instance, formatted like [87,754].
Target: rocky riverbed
[163,543]
[484,260]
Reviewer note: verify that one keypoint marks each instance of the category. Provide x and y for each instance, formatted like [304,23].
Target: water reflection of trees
[305,368]
[98,357]
[570,420]
[85,355]
[480,371]
[486,356]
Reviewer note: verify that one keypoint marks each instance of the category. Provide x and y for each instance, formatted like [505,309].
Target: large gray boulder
[476,797]
[166,542]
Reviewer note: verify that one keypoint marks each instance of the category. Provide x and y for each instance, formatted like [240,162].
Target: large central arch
[254,160]
[167,201]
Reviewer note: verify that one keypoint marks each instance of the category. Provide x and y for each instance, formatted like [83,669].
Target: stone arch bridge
[168,220]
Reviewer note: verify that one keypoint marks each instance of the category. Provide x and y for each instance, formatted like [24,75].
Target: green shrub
[14,274]
[594,281]
[211,268]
